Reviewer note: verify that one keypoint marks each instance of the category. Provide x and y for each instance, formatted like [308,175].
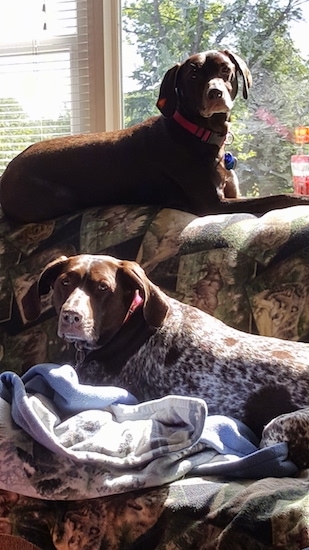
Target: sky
[300,31]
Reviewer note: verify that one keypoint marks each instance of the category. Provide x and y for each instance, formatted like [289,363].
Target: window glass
[44,73]
[271,35]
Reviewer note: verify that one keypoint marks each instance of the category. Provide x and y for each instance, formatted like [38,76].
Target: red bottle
[300,162]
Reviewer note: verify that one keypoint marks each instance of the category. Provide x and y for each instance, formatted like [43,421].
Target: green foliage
[167,31]
[18,131]
[139,106]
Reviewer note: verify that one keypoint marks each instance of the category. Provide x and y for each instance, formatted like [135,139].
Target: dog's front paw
[294,429]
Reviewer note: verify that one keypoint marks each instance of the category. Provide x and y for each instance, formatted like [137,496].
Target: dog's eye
[65,281]
[226,72]
[102,286]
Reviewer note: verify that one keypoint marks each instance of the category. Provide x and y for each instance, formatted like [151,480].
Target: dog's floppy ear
[155,305]
[31,301]
[49,275]
[241,68]
[167,101]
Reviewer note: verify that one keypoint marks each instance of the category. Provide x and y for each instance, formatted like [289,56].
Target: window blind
[44,72]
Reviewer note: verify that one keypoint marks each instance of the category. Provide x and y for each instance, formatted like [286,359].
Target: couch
[251,272]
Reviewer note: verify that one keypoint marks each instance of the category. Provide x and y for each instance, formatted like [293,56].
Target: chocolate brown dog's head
[94,296]
[203,85]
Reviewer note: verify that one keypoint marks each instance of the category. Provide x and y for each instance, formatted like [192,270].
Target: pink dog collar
[136,302]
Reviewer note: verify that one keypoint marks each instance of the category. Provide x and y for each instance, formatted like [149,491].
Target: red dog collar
[202,133]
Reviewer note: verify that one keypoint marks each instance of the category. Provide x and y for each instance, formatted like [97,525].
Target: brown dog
[130,334]
[175,160]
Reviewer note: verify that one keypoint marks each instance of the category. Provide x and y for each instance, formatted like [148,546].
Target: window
[59,70]
[60,67]
[271,35]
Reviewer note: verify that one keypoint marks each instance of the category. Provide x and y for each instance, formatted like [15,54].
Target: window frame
[105,73]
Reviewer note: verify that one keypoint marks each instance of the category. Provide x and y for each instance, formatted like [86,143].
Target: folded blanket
[50,424]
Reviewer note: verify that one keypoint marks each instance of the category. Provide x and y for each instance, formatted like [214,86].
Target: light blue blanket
[63,440]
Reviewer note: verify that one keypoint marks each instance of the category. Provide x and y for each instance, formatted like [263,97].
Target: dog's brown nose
[214,93]
[71,317]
